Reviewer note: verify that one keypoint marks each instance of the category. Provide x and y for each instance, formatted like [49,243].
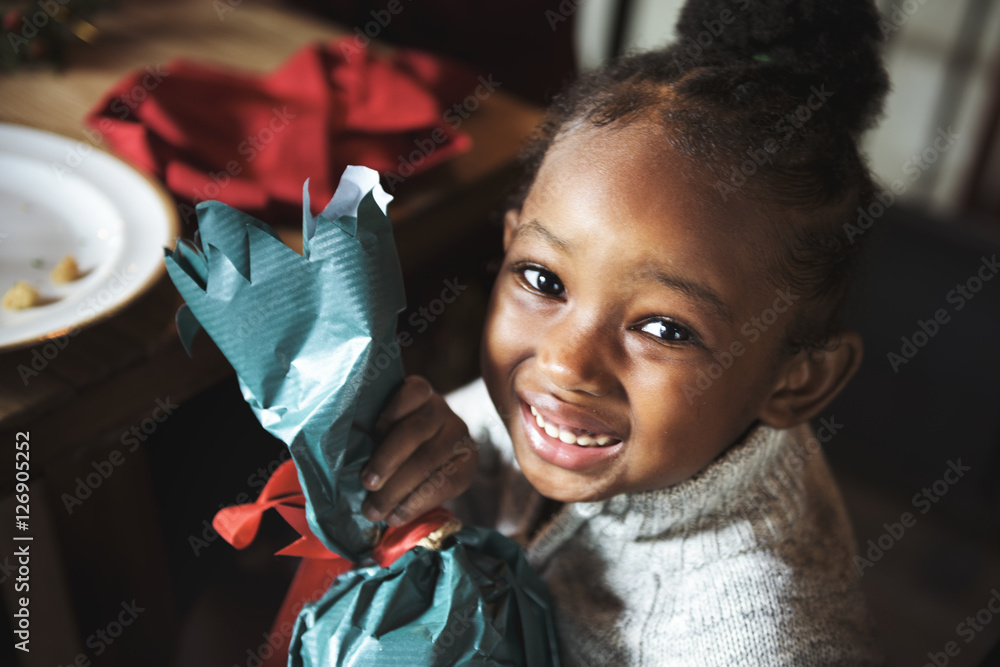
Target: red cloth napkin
[251,141]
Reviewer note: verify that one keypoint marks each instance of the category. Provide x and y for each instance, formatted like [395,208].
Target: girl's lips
[562,454]
[564,414]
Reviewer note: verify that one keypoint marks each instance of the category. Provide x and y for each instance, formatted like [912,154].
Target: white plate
[60,197]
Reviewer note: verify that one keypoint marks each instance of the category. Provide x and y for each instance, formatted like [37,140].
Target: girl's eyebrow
[693,290]
[535,228]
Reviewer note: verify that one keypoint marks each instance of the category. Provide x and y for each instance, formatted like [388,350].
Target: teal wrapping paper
[304,335]
[300,332]
[475,602]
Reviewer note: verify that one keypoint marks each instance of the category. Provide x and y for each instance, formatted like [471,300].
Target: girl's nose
[575,358]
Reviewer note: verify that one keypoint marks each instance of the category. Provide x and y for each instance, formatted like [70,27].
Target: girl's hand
[425,458]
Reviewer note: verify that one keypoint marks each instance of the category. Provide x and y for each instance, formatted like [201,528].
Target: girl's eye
[544,281]
[668,331]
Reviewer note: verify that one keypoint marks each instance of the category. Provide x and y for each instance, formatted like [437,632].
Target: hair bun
[834,43]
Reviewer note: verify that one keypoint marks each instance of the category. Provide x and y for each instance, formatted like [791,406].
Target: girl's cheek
[520,322]
[504,324]
[510,305]
[514,321]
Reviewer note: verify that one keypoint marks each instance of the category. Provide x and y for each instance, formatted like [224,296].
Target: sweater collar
[756,484]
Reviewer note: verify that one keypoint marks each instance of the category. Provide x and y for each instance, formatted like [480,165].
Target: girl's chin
[562,485]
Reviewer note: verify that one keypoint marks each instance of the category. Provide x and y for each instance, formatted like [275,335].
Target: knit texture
[749,562]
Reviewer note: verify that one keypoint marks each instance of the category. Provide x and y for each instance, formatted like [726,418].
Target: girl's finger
[414,392]
[448,482]
[407,434]
[439,470]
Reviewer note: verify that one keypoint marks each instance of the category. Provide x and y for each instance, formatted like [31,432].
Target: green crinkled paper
[306,335]
[300,332]
[476,602]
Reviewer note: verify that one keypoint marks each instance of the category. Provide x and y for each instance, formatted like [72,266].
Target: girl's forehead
[633,160]
[623,197]
[631,172]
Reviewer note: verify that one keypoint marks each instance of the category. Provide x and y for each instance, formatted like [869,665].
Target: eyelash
[520,270]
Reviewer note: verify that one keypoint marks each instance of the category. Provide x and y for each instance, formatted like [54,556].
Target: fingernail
[371,480]
[394,520]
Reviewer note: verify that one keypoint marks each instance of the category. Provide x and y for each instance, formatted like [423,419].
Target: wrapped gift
[311,338]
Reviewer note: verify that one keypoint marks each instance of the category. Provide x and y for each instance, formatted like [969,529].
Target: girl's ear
[810,380]
[510,219]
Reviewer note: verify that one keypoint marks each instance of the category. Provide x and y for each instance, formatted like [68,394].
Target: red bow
[239,524]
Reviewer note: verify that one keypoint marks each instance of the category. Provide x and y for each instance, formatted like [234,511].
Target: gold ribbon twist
[437,538]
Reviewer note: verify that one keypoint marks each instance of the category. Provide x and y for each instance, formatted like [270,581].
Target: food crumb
[66,270]
[22,295]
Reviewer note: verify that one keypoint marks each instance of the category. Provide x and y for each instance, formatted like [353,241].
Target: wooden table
[111,375]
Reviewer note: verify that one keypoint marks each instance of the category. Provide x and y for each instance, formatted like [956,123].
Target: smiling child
[664,325]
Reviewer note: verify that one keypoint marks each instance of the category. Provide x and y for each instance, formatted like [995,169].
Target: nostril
[576,378]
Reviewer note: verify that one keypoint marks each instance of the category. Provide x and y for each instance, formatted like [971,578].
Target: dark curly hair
[769,99]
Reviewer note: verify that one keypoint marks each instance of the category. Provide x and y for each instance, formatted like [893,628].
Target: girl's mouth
[564,446]
[571,436]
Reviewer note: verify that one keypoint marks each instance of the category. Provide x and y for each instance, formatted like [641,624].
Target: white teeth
[566,435]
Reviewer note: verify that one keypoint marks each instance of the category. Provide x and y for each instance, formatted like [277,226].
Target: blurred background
[143,538]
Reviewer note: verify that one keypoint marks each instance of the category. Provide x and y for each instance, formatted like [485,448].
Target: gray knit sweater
[749,562]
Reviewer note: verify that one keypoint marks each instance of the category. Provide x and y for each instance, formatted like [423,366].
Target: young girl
[664,325]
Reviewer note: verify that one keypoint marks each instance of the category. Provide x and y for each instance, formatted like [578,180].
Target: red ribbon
[239,524]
